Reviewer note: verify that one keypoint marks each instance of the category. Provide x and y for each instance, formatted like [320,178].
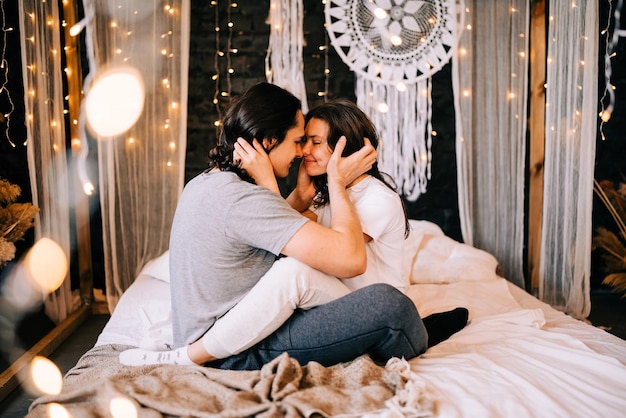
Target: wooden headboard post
[536,129]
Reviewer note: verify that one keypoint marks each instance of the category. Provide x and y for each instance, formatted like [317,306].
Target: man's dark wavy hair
[264,111]
[345,118]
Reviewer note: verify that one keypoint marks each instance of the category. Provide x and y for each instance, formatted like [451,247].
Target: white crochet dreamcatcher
[394,47]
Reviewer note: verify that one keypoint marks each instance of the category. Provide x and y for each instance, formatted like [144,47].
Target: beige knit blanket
[282,388]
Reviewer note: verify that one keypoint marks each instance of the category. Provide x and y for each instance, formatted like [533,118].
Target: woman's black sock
[442,325]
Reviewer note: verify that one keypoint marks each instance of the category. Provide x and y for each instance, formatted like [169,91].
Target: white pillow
[159,267]
[432,257]
[429,257]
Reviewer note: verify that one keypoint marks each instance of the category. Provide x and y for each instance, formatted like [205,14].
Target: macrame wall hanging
[283,63]
[394,47]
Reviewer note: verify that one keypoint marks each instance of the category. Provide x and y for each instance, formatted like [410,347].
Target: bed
[517,357]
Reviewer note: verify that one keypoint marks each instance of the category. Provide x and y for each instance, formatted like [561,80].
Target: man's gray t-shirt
[225,235]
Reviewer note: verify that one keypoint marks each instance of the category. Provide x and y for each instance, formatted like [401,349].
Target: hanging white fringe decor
[283,63]
[403,121]
[394,47]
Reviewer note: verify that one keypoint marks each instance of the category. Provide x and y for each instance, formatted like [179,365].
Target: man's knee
[392,305]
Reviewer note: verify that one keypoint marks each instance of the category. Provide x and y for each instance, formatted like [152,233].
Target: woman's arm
[302,195]
[340,249]
[257,164]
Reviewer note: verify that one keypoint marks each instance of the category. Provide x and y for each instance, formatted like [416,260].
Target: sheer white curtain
[491,129]
[571,112]
[47,161]
[141,173]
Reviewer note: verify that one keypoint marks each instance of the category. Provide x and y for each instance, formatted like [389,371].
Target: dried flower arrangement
[613,245]
[15,220]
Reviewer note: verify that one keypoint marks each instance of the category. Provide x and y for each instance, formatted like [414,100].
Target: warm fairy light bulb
[76,29]
[395,40]
[383,108]
[605,116]
[380,13]
[88,188]
[400,86]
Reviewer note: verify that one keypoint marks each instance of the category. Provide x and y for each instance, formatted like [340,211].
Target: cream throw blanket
[281,388]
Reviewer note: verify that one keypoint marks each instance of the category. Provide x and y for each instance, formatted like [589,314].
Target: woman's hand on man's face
[348,169]
[255,160]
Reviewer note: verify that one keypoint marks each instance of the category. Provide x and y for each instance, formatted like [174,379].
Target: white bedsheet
[521,362]
[518,357]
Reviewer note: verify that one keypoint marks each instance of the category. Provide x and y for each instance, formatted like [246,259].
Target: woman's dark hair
[345,118]
[264,111]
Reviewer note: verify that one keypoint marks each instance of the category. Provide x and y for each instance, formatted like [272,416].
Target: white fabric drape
[47,161]
[491,131]
[571,111]
[284,65]
[141,173]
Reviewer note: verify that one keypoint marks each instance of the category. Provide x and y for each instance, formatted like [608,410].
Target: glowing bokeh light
[115,101]
[56,410]
[46,376]
[46,264]
[122,408]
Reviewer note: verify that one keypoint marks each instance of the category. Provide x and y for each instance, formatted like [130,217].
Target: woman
[380,209]
[228,231]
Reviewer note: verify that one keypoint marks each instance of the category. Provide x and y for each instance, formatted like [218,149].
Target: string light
[611,44]
[4,65]
[216,65]
[229,49]
[225,53]
[324,48]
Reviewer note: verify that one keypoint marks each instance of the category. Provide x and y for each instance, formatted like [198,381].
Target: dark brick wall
[251,36]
